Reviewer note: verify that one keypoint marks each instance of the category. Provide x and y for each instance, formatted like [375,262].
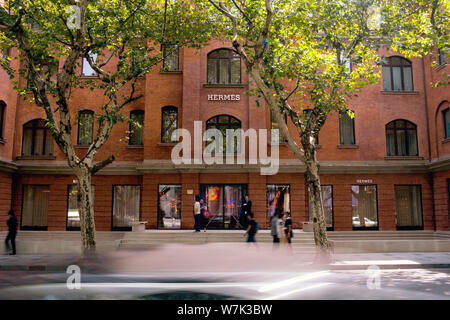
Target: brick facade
[149,165]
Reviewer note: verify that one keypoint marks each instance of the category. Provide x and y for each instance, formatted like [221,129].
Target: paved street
[227,271]
[432,284]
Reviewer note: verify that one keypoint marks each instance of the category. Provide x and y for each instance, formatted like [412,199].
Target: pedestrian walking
[197,216]
[280,228]
[12,232]
[288,228]
[204,214]
[252,228]
[246,209]
[276,227]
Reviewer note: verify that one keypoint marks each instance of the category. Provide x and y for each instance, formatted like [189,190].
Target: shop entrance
[224,204]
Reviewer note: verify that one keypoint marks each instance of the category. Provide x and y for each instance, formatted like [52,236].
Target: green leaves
[416,27]
[318,54]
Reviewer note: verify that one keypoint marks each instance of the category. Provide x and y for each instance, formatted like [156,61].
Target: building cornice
[7,166]
[285,166]
[440,164]
[61,168]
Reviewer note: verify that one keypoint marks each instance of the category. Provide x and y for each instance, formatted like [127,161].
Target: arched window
[222,123]
[445,110]
[85,127]
[224,67]
[397,75]
[401,138]
[2,118]
[169,123]
[86,69]
[136,128]
[37,139]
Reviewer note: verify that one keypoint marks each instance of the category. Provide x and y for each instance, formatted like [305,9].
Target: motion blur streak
[285,294]
[291,281]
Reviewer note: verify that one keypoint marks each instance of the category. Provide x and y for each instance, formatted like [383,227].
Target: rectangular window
[169,123]
[327,198]
[171,58]
[278,199]
[364,207]
[86,67]
[137,128]
[126,206]
[408,207]
[169,207]
[85,127]
[35,207]
[73,215]
[346,128]
[446,114]
[442,57]
[5,55]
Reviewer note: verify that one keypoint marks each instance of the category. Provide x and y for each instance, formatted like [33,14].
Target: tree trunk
[86,209]
[315,200]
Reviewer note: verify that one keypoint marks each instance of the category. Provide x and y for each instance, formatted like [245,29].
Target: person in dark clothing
[12,232]
[246,209]
[251,229]
[203,218]
[288,227]
[197,216]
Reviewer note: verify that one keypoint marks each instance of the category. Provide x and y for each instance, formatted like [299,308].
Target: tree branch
[100,165]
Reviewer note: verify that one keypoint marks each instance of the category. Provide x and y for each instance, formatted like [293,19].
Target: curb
[53,268]
[33,268]
[392,266]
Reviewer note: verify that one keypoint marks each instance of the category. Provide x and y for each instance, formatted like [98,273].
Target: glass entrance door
[224,204]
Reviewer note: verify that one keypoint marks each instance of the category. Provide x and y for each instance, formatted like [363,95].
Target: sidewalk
[59,263]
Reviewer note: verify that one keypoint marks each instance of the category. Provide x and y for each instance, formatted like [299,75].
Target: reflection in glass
[230,141]
[126,205]
[35,206]
[73,215]
[364,206]
[408,207]
[224,67]
[278,198]
[169,124]
[327,198]
[169,213]
[224,204]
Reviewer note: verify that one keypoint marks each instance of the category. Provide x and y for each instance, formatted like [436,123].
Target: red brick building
[388,169]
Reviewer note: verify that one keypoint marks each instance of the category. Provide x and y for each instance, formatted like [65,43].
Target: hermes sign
[224,97]
[364,181]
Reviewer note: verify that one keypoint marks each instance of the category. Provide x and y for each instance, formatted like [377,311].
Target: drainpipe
[430,174]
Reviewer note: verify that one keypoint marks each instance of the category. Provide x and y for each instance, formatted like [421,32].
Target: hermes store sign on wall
[224,97]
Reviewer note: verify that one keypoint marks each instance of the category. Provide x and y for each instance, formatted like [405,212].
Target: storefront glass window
[408,207]
[169,208]
[327,198]
[224,204]
[73,215]
[35,207]
[278,199]
[364,207]
[126,206]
